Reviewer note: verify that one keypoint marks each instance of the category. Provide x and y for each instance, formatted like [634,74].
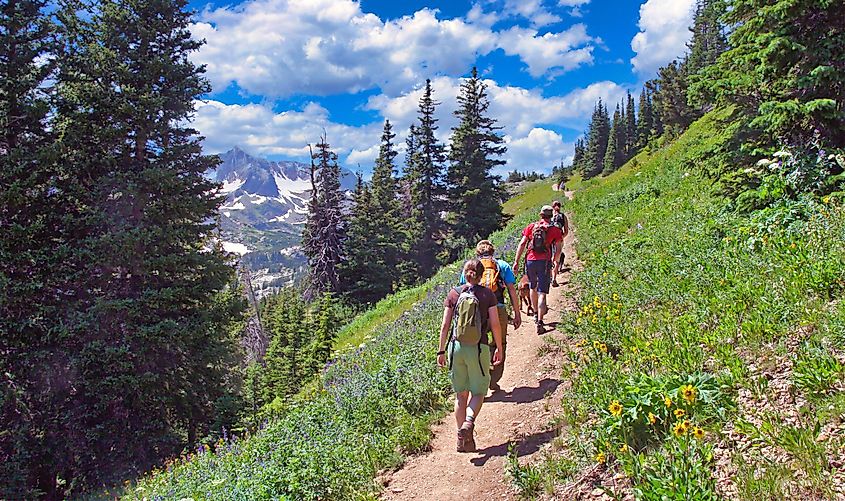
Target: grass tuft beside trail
[707,354]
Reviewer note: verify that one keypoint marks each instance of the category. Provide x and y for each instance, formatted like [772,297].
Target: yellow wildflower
[623,448]
[600,459]
[689,393]
[635,349]
[792,246]
[679,413]
[679,429]
[698,433]
[667,401]
[595,319]
[615,408]
[826,199]
[603,348]
[652,419]
[615,296]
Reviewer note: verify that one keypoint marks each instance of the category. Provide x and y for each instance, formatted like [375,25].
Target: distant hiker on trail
[559,220]
[498,276]
[469,313]
[545,243]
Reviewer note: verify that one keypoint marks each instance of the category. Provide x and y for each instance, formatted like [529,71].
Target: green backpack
[466,322]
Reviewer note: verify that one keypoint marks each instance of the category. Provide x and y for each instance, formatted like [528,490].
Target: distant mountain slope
[265,209]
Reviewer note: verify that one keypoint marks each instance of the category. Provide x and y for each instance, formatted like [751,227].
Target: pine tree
[614,156]
[645,123]
[670,100]
[597,140]
[784,72]
[424,173]
[32,253]
[325,325]
[147,345]
[475,199]
[324,235]
[364,273]
[707,44]
[388,239]
[630,128]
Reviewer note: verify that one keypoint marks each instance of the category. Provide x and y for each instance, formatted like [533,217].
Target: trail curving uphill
[521,413]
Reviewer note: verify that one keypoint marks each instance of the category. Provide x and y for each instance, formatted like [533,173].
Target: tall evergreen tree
[364,273]
[707,43]
[630,127]
[324,235]
[32,252]
[645,124]
[425,178]
[614,156]
[597,139]
[670,100]
[475,198]
[388,239]
[146,343]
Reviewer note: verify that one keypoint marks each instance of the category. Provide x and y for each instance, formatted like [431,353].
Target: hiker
[498,276]
[559,220]
[544,243]
[469,313]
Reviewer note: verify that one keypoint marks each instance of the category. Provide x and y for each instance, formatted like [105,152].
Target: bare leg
[541,312]
[534,300]
[475,403]
[461,407]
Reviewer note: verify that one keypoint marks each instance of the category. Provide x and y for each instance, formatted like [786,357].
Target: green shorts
[466,368]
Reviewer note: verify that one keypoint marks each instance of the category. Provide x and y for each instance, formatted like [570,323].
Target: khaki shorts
[469,370]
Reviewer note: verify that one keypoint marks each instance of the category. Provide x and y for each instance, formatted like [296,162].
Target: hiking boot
[469,436]
[540,328]
[555,284]
[494,387]
[461,447]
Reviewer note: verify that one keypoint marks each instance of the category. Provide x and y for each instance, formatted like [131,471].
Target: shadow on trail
[525,446]
[525,394]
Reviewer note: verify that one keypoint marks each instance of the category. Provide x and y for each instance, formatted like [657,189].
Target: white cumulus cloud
[664,33]
[280,48]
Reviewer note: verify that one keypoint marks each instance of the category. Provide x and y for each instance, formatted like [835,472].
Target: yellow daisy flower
[600,459]
[667,401]
[623,448]
[679,429]
[652,419]
[689,393]
[698,433]
[615,408]
[679,413]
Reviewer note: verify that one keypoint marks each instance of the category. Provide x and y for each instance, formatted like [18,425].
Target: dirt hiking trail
[520,413]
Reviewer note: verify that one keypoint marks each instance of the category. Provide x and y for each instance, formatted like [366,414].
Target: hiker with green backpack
[469,313]
[498,277]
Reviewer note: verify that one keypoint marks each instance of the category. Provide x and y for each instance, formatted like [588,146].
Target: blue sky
[283,71]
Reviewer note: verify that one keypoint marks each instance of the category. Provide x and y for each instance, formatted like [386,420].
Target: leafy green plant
[527,479]
[816,369]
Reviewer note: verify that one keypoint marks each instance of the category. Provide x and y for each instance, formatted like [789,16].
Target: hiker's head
[473,269]
[556,205]
[484,248]
[546,212]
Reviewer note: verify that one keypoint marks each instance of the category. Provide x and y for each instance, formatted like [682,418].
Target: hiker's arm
[517,318]
[565,227]
[444,335]
[519,250]
[493,318]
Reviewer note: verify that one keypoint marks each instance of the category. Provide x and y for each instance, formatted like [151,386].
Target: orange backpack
[492,277]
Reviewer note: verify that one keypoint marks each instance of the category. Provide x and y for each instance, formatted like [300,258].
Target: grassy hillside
[707,355]
[372,406]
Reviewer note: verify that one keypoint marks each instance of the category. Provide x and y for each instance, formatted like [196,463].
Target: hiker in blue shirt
[498,276]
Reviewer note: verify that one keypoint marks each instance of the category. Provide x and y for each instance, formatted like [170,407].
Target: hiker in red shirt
[545,243]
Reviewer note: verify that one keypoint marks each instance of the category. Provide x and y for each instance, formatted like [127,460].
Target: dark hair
[473,269]
[556,203]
